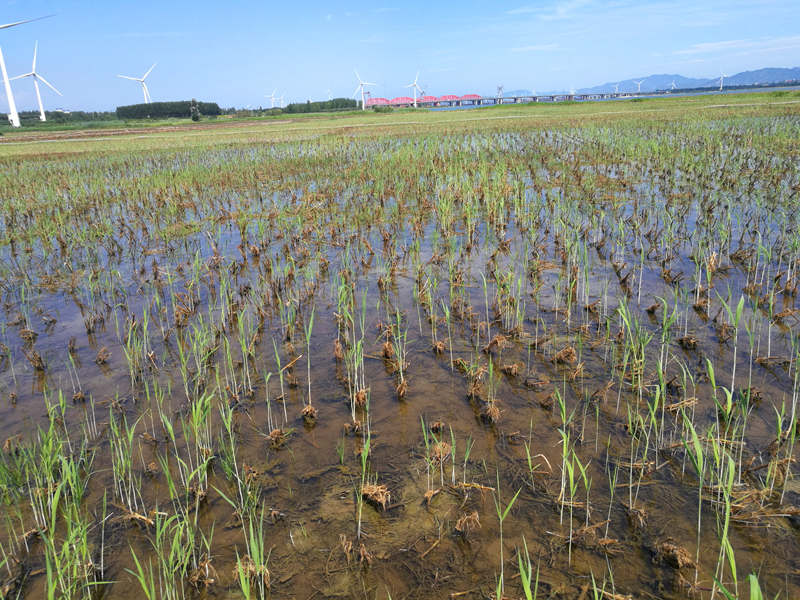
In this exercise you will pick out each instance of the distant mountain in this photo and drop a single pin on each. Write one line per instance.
(651, 83)
(768, 75)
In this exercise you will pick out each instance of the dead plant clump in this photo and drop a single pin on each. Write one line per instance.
(498, 342)
(102, 356)
(347, 546)
(364, 556)
(577, 371)
(474, 389)
(36, 360)
(360, 398)
(674, 555)
(204, 575)
(277, 437)
(599, 395)
(566, 355)
(28, 335)
(402, 388)
(441, 450)
(252, 571)
(467, 523)
(388, 350)
(537, 385)
(511, 370)
(309, 413)
(439, 348)
(376, 494)
(491, 412)
(353, 428)
(428, 496)
(11, 445)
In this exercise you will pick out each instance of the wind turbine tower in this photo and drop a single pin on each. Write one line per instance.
(416, 87)
(360, 88)
(639, 86)
(722, 77)
(13, 117)
(141, 79)
(673, 85)
(36, 78)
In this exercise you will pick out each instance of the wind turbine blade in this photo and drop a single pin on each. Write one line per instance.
(357, 90)
(19, 76)
(48, 84)
(35, 51)
(416, 78)
(131, 78)
(368, 83)
(7, 25)
(148, 71)
(357, 76)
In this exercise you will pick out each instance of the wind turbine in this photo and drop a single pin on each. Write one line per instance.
(673, 85)
(13, 117)
(329, 96)
(141, 79)
(616, 88)
(639, 86)
(360, 88)
(416, 87)
(271, 98)
(36, 78)
(722, 77)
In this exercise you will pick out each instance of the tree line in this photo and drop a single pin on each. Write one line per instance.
(165, 110)
(321, 106)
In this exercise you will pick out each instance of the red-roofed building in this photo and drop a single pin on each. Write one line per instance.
(402, 101)
(377, 102)
(426, 100)
(470, 99)
(448, 98)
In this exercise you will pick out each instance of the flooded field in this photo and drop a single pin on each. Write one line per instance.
(494, 361)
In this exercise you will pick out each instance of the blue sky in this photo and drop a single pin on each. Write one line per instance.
(236, 52)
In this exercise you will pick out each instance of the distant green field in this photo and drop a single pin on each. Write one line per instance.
(118, 135)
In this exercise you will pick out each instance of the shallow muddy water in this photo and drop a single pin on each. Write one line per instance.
(566, 304)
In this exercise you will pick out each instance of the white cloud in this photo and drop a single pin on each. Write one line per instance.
(536, 48)
(562, 9)
(522, 10)
(746, 45)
